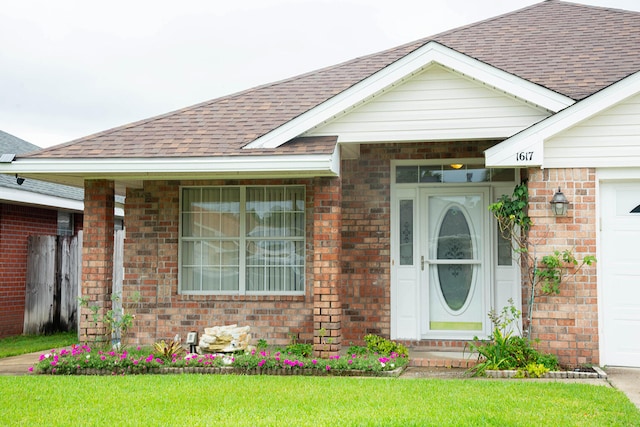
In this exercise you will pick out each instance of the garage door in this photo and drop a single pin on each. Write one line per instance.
(620, 266)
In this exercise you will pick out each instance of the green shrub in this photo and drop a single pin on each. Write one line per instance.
(506, 350)
(385, 347)
(299, 349)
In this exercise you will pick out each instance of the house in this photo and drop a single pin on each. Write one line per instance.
(28, 207)
(353, 199)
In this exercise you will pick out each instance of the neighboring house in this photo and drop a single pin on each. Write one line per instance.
(28, 207)
(353, 199)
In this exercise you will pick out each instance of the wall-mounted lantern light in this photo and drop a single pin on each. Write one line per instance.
(559, 204)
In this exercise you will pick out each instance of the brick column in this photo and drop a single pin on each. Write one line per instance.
(566, 324)
(97, 256)
(327, 243)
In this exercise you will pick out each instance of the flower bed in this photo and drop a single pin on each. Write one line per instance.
(83, 360)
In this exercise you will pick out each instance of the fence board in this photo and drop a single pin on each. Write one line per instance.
(40, 286)
(51, 302)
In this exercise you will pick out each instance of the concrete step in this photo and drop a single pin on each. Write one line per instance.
(442, 358)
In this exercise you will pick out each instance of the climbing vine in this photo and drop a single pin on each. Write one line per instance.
(546, 275)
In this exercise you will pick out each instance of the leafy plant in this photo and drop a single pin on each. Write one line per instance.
(116, 323)
(168, 350)
(554, 267)
(262, 344)
(383, 346)
(536, 370)
(505, 348)
(298, 349)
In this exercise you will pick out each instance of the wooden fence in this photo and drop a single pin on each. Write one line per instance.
(54, 276)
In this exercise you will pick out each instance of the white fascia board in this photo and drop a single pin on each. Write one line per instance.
(165, 167)
(516, 151)
(30, 198)
(399, 71)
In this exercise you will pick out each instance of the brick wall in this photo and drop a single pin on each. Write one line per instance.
(97, 256)
(17, 223)
(566, 324)
(151, 271)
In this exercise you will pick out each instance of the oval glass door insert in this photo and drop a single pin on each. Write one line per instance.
(455, 243)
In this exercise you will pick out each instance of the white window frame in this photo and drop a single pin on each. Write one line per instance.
(242, 238)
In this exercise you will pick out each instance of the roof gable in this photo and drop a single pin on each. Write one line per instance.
(527, 148)
(399, 73)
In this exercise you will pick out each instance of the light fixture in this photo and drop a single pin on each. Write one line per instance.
(19, 179)
(559, 204)
(456, 166)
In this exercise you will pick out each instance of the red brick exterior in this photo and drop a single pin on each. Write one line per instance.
(327, 230)
(566, 324)
(97, 255)
(348, 249)
(17, 223)
(151, 271)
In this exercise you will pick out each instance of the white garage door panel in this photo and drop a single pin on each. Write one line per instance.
(620, 265)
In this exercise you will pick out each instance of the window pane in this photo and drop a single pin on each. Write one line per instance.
(190, 280)
(274, 240)
(503, 175)
(430, 174)
(406, 174)
(504, 250)
(406, 232)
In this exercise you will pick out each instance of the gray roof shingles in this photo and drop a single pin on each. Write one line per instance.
(572, 49)
(15, 145)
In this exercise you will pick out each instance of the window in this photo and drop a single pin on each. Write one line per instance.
(455, 173)
(242, 240)
(65, 223)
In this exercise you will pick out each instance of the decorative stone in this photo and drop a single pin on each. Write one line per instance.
(224, 339)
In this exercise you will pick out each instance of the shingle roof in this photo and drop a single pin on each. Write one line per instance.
(572, 49)
(14, 145)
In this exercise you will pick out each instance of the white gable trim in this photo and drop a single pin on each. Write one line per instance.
(13, 195)
(403, 69)
(527, 147)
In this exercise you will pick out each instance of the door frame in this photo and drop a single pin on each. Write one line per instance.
(502, 282)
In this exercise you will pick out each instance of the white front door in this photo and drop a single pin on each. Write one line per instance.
(619, 263)
(454, 262)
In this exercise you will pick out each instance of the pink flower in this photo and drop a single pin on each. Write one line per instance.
(314, 361)
(261, 363)
(31, 369)
(328, 368)
(149, 358)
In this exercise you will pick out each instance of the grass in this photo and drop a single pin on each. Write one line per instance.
(307, 401)
(23, 344)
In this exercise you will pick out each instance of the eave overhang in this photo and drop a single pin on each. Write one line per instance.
(131, 172)
(526, 149)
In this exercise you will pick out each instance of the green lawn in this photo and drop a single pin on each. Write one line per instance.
(306, 401)
(23, 344)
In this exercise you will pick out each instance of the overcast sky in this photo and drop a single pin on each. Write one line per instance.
(70, 68)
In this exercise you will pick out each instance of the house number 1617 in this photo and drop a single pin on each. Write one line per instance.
(524, 156)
